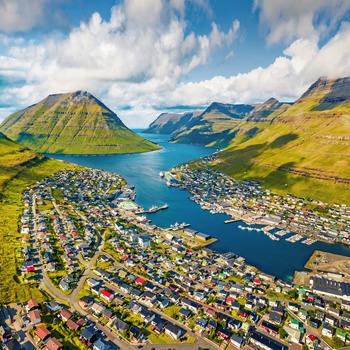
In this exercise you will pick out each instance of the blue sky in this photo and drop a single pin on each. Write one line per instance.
(142, 57)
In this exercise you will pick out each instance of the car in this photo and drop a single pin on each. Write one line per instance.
(140, 347)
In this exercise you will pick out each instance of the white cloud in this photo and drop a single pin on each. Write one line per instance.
(288, 20)
(142, 43)
(134, 62)
(24, 15)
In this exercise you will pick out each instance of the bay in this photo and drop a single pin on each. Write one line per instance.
(279, 258)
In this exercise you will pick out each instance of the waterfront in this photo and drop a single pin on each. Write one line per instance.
(279, 258)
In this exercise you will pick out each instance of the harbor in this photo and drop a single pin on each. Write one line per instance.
(142, 171)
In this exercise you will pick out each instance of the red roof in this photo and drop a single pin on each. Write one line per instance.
(256, 281)
(312, 337)
(140, 280)
(106, 293)
(72, 325)
(42, 332)
(229, 300)
(53, 344)
(30, 269)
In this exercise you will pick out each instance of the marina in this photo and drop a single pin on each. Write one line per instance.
(294, 238)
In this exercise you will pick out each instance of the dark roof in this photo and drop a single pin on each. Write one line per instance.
(323, 285)
(13, 344)
(267, 342)
(87, 333)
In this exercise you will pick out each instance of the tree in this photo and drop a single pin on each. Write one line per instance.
(293, 294)
(282, 333)
(304, 347)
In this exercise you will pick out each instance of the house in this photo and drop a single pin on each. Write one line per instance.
(134, 307)
(34, 317)
(72, 325)
(314, 323)
(135, 332)
(43, 334)
(275, 317)
(53, 306)
(12, 344)
(224, 333)
(173, 330)
(64, 285)
(269, 327)
(144, 241)
(32, 305)
(97, 308)
(107, 295)
(237, 341)
(330, 320)
(185, 313)
(86, 301)
(54, 344)
(158, 324)
(294, 335)
(120, 325)
(341, 334)
(293, 307)
(264, 342)
(234, 324)
(147, 315)
(140, 280)
(149, 296)
(100, 344)
(201, 322)
(88, 335)
(66, 315)
(327, 331)
(108, 315)
(311, 340)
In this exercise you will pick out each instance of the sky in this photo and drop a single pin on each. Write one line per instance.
(145, 57)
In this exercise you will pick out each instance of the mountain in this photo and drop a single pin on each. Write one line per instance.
(215, 126)
(167, 123)
(267, 110)
(73, 123)
(305, 150)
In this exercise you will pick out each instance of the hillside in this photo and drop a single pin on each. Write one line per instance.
(215, 126)
(19, 168)
(167, 123)
(73, 123)
(305, 150)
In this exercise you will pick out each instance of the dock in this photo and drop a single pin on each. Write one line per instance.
(231, 220)
(154, 208)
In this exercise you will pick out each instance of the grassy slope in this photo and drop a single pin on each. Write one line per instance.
(61, 125)
(19, 167)
(308, 139)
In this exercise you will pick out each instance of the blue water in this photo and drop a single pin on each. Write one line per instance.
(279, 258)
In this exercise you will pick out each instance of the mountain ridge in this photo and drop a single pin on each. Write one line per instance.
(73, 123)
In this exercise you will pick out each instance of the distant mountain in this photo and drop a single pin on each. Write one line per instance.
(267, 110)
(73, 123)
(167, 123)
(305, 150)
(215, 126)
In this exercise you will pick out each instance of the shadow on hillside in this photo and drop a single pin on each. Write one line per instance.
(280, 178)
(283, 140)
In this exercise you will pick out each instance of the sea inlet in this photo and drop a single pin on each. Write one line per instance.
(278, 258)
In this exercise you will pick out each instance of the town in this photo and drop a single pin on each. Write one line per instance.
(248, 201)
(112, 280)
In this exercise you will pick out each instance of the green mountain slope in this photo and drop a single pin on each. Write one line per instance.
(167, 123)
(73, 123)
(215, 126)
(305, 150)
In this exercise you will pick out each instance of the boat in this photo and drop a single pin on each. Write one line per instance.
(155, 208)
(161, 174)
